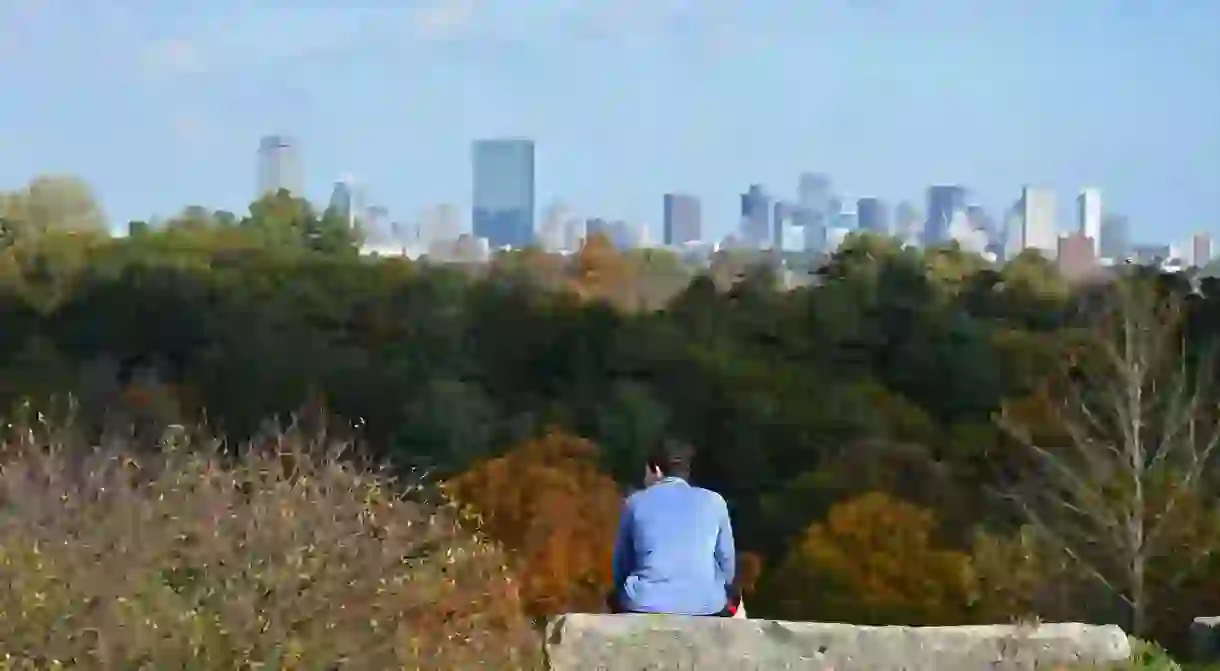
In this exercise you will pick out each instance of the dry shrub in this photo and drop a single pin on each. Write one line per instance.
(278, 557)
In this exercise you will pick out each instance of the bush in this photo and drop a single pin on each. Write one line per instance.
(284, 555)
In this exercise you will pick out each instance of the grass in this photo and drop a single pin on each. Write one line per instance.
(283, 557)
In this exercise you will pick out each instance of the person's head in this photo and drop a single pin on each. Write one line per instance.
(669, 459)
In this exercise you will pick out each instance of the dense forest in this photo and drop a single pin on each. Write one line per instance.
(916, 437)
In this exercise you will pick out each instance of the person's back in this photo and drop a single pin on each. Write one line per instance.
(675, 551)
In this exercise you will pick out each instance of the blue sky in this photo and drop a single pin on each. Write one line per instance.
(161, 104)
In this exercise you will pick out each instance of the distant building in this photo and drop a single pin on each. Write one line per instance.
(1076, 256)
(1151, 255)
(944, 202)
(347, 200)
(755, 217)
(1115, 237)
(503, 209)
(908, 223)
(279, 166)
(1201, 249)
(682, 219)
(1038, 220)
(1088, 216)
(872, 216)
(783, 216)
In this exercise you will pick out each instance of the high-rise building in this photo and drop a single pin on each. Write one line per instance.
(755, 217)
(551, 236)
(682, 220)
(783, 216)
(279, 166)
(503, 211)
(1076, 256)
(347, 200)
(1115, 237)
(1014, 232)
(1201, 249)
(1040, 229)
(872, 216)
(944, 202)
(908, 223)
(1088, 216)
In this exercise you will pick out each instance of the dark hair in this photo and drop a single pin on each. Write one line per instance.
(672, 458)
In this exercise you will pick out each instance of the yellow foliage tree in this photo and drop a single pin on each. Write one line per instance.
(873, 561)
(548, 502)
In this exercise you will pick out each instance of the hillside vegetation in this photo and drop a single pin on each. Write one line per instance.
(917, 437)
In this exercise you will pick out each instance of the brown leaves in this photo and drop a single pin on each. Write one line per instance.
(549, 502)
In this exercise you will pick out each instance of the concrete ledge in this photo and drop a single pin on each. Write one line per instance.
(1205, 640)
(637, 642)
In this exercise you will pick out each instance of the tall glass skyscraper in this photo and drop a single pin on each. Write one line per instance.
(944, 203)
(279, 166)
(503, 209)
(872, 216)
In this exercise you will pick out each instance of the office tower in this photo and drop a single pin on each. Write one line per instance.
(1014, 232)
(681, 219)
(573, 233)
(755, 217)
(347, 200)
(783, 216)
(1076, 256)
(1115, 237)
(1088, 216)
(551, 233)
(1201, 249)
(944, 202)
(908, 223)
(1038, 220)
(872, 216)
(813, 192)
(503, 211)
(279, 166)
(813, 230)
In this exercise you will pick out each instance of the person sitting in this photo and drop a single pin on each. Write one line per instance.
(674, 553)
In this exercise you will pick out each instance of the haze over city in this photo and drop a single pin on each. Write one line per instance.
(162, 106)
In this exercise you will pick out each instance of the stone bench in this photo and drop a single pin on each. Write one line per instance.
(580, 642)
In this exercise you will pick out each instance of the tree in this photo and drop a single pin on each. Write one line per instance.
(51, 203)
(873, 561)
(548, 501)
(1126, 494)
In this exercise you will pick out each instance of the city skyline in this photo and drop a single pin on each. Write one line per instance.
(157, 107)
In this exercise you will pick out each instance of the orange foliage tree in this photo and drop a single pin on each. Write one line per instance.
(548, 501)
(600, 272)
(873, 561)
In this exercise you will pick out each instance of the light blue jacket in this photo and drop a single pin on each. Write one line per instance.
(674, 552)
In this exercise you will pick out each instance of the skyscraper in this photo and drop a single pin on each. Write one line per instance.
(815, 206)
(1088, 216)
(755, 217)
(783, 216)
(347, 200)
(872, 216)
(1115, 237)
(682, 219)
(944, 202)
(1201, 249)
(279, 166)
(1038, 219)
(503, 209)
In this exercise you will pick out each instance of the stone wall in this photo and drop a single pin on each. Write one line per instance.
(579, 642)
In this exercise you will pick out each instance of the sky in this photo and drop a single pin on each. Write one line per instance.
(159, 105)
